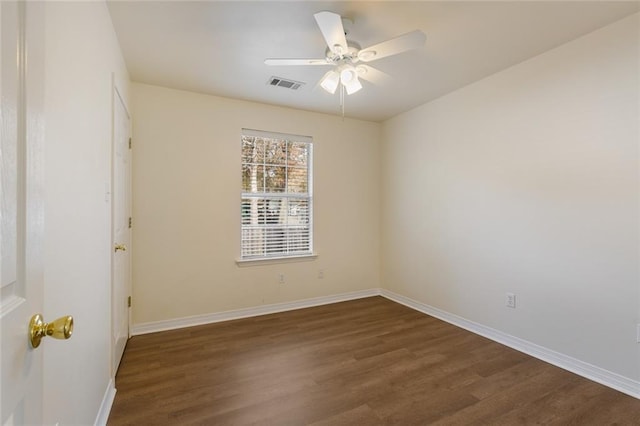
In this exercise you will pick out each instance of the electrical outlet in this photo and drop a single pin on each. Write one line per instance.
(510, 300)
(281, 278)
(320, 274)
(638, 334)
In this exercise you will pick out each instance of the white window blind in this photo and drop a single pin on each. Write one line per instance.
(277, 204)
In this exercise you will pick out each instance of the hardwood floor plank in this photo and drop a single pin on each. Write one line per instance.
(361, 415)
(363, 362)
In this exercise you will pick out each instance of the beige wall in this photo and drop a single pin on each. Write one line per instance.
(82, 53)
(527, 182)
(186, 192)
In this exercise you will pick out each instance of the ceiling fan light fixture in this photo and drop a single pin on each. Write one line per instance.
(349, 79)
(347, 74)
(353, 86)
(330, 81)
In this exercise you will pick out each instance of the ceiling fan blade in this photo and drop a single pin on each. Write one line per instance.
(332, 30)
(373, 75)
(400, 44)
(296, 62)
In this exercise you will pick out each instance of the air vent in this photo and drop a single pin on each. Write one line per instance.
(283, 82)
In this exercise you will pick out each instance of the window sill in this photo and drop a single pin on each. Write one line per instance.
(274, 260)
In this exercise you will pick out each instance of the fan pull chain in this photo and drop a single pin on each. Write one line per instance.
(342, 100)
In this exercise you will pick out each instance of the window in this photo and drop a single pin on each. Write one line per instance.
(276, 208)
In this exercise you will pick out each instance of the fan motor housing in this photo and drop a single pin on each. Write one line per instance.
(351, 54)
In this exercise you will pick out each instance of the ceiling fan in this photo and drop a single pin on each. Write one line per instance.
(346, 56)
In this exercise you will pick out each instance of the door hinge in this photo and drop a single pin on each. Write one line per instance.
(129, 222)
(129, 143)
(129, 301)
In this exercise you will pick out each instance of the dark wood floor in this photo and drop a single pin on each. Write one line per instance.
(364, 362)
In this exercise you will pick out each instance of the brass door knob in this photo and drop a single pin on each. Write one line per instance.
(62, 328)
(120, 247)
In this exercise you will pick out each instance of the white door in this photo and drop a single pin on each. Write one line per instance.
(21, 210)
(121, 285)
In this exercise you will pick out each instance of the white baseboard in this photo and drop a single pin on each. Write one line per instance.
(581, 368)
(152, 327)
(105, 406)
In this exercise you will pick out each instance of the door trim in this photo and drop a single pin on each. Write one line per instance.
(117, 97)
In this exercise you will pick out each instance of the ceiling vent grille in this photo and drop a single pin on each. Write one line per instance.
(283, 82)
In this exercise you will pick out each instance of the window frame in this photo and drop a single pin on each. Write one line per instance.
(264, 195)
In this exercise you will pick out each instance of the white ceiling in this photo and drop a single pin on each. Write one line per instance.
(218, 48)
